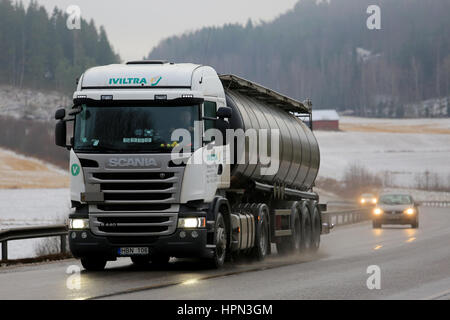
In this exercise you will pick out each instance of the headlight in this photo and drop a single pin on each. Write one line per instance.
(191, 223)
(363, 200)
(409, 211)
(374, 201)
(377, 211)
(79, 224)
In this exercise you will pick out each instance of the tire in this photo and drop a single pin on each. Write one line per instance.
(221, 242)
(262, 243)
(140, 260)
(292, 243)
(376, 225)
(415, 225)
(93, 264)
(306, 229)
(316, 227)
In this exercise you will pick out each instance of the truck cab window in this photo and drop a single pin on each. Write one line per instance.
(209, 111)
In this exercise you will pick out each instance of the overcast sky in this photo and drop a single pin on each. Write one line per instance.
(134, 27)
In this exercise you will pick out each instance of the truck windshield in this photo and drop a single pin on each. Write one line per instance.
(125, 129)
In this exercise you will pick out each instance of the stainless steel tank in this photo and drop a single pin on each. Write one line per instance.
(299, 153)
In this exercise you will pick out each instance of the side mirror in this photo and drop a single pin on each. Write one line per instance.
(222, 126)
(224, 112)
(60, 114)
(61, 133)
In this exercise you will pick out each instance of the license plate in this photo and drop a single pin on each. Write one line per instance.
(133, 251)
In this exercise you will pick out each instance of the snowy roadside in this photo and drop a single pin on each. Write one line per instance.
(31, 207)
(402, 155)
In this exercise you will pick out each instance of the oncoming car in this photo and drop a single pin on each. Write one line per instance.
(395, 209)
(368, 199)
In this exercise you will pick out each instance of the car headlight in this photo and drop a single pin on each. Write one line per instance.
(377, 211)
(363, 200)
(374, 201)
(79, 224)
(409, 211)
(192, 223)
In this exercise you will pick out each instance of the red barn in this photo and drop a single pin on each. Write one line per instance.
(325, 120)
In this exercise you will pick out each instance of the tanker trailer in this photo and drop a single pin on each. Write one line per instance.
(138, 190)
(292, 217)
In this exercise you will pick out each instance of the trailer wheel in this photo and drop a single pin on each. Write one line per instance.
(262, 243)
(306, 227)
(316, 228)
(220, 238)
(93, 263)
(293, 242)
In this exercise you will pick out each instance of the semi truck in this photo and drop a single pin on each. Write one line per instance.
(138, 190)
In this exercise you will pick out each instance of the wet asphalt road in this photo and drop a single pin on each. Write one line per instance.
(413, 264)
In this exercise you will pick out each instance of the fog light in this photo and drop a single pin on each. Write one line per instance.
(73, 235)
(182, 234)
(79, 224)
(191, 223)
(194, 234)
(84, 235)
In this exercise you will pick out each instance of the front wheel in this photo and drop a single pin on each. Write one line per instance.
(221, 243)
(93, 264)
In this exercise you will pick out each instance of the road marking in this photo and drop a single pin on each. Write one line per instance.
(208, 277)
(437, 296)
(190, 281)
(378, 247)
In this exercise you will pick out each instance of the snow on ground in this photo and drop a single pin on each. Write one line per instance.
(421, 125)
(402, 154)
(441, 122)
(31, 104)
(31, 207)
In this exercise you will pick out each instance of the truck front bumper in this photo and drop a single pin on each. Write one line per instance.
(84, 243)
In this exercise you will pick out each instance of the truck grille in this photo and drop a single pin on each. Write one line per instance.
(132, 224)
(136, 196)
(139, 202)
(137, 187)
(133, 207)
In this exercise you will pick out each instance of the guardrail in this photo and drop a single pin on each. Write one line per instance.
(348, 216)
(331, 218)
(439, 204)
(336, 218)
(31, 233)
